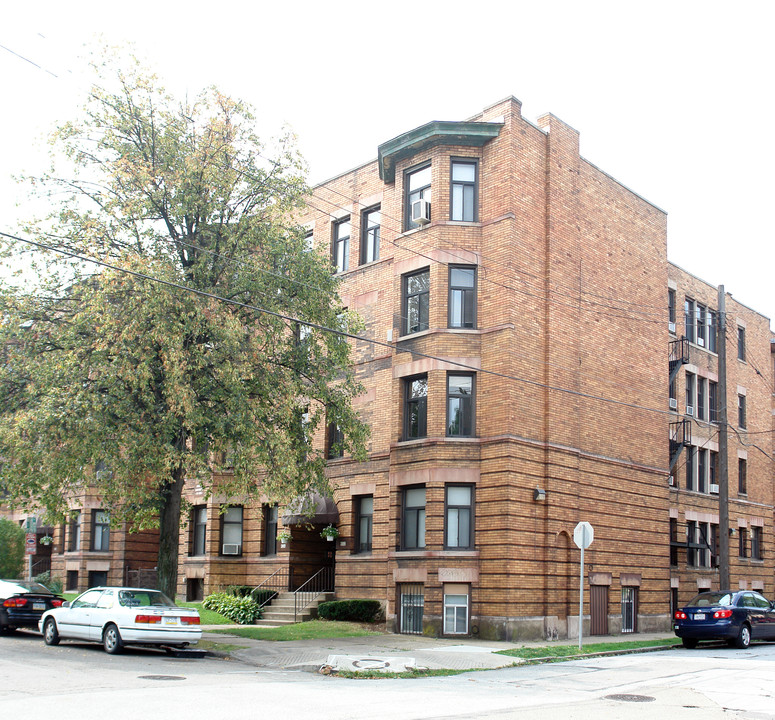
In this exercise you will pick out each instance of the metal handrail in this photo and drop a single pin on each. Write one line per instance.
(277, 582)
(322, 581)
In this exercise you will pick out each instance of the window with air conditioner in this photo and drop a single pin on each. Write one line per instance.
(231, 530)
(417, 187)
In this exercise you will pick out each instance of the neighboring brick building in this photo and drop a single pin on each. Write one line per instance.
(696, 402)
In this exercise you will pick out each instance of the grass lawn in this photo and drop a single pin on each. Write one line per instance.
(312, 630)
(570, 651)
(207, 617)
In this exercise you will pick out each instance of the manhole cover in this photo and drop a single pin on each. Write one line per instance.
(161, 677)
(631, 698)
(370, 664)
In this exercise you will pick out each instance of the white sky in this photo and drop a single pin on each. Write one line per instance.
(673, 99)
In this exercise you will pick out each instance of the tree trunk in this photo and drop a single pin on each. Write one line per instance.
(169, 534)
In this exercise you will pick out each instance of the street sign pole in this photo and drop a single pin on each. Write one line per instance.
(581, 599)
(583, 535)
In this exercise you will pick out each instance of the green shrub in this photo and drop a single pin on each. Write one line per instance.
(241, 610)
(53, 584)
(353, 610)
(262, 596)
(11, 549)
(238, 590)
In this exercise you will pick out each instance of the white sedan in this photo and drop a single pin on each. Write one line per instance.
(118, 616)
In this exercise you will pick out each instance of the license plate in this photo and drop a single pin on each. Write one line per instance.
(699, 616)
(170, 621)
(38, 606)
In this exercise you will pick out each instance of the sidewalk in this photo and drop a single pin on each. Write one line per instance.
(392, 652)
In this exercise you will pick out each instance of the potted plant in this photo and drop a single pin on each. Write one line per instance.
(284, 536)
(46, 540)
(330, 533)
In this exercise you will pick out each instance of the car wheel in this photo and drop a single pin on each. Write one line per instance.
(743, 637)
(111, 640)
(689, 643)
(50, 632)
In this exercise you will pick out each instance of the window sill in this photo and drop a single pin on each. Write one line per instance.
(428, 554)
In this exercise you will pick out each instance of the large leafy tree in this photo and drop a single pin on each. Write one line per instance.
(11, 549)
(182, 348)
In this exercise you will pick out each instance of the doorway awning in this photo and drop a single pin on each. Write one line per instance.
(313, 508)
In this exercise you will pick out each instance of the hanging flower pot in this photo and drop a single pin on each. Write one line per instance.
(330, 533)
(284, 536)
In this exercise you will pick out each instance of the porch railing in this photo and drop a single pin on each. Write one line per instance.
(322, 581)
(268, 590)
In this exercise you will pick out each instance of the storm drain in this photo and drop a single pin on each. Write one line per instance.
(630, 698)
(161, 677)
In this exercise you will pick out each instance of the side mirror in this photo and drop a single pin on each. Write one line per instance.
(66, 604)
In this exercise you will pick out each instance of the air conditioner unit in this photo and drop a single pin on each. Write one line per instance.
(673, 403)
(701, 341)
(671, 480)
(690, 410)
(421, 212)
(671, 327)
(232, 549)
(714, 489)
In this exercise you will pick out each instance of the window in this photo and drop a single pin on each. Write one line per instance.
(460, 405)
(415, 407)
(673, 394)
(742, 542)
(270, 529)
(459, 527)
(411, 600)
(455, 609)
(702, 391)
(741, 419)
(701, 319)
(417, 184)
(713, 471)
(689, 319)
(674, 544)
(416, 301)
(462, 297)
(742, 476)
(712, 401)
(413, 532)
(671, 309)
(756, 543)
(702, 470)
(463, 194)
(370, 224)
(231, 531)
(701, 552)
(309, 241)
(740, 343)
(334, 441)
(75, 532)
(341, 245)
(629, 609)
(712, 330)
(198, 530)
(364, 522)
(100, 531)
(691, 392)
(690, 467)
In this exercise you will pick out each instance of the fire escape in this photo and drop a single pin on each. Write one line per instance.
(681, 430)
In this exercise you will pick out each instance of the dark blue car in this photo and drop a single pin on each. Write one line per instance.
(737, 617)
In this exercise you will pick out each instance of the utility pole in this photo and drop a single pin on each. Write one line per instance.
(723, 452)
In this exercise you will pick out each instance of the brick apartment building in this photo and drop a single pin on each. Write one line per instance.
(518, 386)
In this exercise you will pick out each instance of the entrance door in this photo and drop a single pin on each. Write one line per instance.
(629, 609)
(598, 609)
(411, 607)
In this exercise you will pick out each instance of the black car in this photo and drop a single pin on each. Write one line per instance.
(22, 603)
(735, 616)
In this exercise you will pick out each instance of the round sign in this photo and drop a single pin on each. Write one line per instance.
(583, 535)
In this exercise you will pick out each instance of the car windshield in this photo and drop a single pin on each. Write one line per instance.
(711, 598)
(143, 598)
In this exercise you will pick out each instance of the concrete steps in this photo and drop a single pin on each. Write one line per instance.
(281, 610)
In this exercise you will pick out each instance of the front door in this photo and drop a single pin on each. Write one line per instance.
(629, 609)
(598, 609)
(411, 606)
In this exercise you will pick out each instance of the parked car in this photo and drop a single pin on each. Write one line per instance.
(737, 617)
(23, 602)
(118, 616)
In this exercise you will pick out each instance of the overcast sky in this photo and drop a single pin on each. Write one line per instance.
(673, 99)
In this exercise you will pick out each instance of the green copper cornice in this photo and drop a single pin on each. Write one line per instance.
(473, 134)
